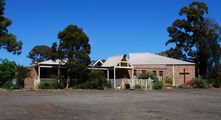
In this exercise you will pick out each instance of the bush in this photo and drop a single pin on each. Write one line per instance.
(191, 83)
(217, 83)
(21, 73)
(9, 85)
(127, 86)
(7, 71)
(97, 80)
(168, 81)
(138, 86)
(157, 85)
(50, 86)
(200, 83)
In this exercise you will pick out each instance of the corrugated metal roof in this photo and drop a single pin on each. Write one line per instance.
(51, 62)
(149, 58)
(112, 61)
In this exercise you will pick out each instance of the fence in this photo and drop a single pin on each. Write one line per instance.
(143, 83)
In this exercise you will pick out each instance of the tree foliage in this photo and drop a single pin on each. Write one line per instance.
(173, 53)
(97, 80)
(8, 41)
(74, 48)
(7, 71)
(39, 53)
(195, 36)
(21, 73)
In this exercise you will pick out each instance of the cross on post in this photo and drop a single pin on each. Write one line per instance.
(184, 73)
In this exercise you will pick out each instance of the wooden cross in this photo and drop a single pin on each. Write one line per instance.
(184, 73)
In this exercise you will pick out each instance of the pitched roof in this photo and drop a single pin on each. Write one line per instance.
(51, 62)
(112, 61)
(149, 58)
(94, 63)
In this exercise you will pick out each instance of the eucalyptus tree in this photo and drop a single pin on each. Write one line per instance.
(8, 41)
(192, 35)
(39, 53)
(74, 49)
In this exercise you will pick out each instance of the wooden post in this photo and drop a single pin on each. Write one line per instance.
(39, 73)
(108, 78)
(173, 77)
(132, 76)
(59, 77)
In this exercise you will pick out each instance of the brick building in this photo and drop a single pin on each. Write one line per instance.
(131, 67)
(118, 68)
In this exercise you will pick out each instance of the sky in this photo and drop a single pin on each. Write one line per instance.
(114, 27)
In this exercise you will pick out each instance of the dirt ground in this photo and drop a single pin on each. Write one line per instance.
(180, 104)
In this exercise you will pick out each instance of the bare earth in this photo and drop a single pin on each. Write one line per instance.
(180, 104)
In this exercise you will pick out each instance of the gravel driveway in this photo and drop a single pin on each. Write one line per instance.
(179, 104)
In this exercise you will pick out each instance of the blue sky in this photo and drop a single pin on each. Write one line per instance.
(113, 26)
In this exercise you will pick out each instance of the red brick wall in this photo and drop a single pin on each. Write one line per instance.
(179, 79)
(168, 71)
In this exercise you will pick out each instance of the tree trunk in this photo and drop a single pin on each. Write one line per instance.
(203, 67)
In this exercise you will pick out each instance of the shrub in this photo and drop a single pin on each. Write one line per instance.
(127, 86)
(21, 73)
(138, 86)
(9, 85)
(97, 80)
(49, 86)
(43, 86)
(168, 81)
(157, 85)
(217, 83)
(191, 83)
(7, 71)
(200, 83)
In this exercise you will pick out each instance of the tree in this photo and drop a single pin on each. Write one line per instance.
(39, 53)
(21, 73)
(7, 71)
(8, 41)
(75, 48)
(54, 51)
(214, 37)
(173, 53)
(191, 36)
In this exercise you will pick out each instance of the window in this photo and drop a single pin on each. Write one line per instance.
(143, 71)
(135, 72)
(155, 73)
(160, 75)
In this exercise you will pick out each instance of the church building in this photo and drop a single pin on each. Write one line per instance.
(131, 67)
(118, 68)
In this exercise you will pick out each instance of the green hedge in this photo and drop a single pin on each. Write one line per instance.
(50, 86)
(217, 83)
(9, 85)
(138, 86)
(97, 80)
(157, 85)
(200, 83)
